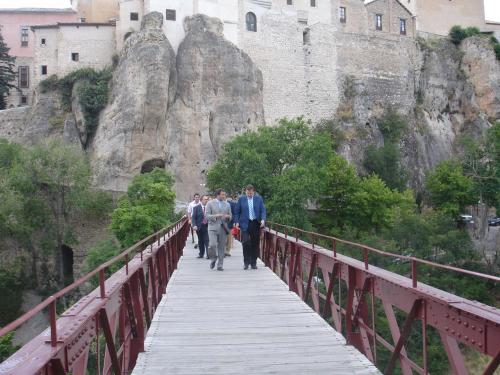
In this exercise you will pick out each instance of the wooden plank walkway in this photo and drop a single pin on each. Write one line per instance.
(240, 322)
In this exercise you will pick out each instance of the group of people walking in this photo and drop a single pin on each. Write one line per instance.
(214, 220)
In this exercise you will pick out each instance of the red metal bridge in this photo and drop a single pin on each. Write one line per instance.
(142, 314)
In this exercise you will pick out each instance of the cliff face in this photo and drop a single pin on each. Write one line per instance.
(219, 95)
(447, 92)
(132, 128)
(175, 112)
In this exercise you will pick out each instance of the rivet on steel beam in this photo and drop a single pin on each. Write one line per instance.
(480, 330)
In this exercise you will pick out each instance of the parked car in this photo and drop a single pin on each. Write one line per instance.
(466, 219)
(494, 222)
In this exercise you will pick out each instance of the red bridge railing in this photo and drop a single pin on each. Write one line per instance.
(111, 321)
(353, 293)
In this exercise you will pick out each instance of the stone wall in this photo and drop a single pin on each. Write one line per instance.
(13, 123)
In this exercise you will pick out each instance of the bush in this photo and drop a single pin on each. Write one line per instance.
(100, 253)
(147, 207)
(385, 162)
(7, 348)
(457, 33)
(11, 288)
(392, 126)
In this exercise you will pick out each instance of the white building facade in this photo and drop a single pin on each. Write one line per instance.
(66, 47)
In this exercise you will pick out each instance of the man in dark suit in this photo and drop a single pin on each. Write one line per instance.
(200, 225)
(250, 216)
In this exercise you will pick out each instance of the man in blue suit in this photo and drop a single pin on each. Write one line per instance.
(250, 216)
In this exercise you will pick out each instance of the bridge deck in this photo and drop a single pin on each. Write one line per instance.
(240, 322)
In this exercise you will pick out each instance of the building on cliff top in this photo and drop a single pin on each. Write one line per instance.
(15, 24)
(65, 47)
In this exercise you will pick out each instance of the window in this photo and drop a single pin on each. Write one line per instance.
(44, 70)
(313, 3)
(289, 2)
(82, 20)
(170, 15)
(402, 27)
(134, 16)
(251, 20)
(24, 36)
(75, 56)
(43, 42)
(342, 15)
(23, 75)
(378, 21)
(306, 36)
(24, 100)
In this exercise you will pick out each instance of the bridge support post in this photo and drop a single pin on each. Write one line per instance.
(110, 343)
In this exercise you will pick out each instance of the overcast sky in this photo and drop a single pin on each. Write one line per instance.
(492, 7)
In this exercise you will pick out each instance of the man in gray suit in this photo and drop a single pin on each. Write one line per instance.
(218, 214)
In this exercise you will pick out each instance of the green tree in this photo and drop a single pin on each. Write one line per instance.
(372, 206)
(341, 183)
(385, 162)
(7, 73)
(147, 207)
(286, 164)
(46, 186)
(448, 189)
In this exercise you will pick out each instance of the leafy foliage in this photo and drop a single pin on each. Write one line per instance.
(7, 348)
(93, 92)
(392, 126)
(286, 164)
(457, 33)
(147, 207)
(11, 287)
(102, 252)
(448, 189)
(385, 162)
(44, 186)
(7, 73)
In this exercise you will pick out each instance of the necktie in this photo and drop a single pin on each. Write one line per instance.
(251, 213)
(204, 219)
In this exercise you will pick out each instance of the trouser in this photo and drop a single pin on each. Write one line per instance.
(192, 234)
(229, 243)
(203, 239)
(250, 240)
(217, 245)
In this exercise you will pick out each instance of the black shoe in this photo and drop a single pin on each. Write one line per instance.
(220, 269)
(246, 267)
(208, 257)
(254, 267)
(201, 256)
(195, 245)
(212, 265)
(227, 255)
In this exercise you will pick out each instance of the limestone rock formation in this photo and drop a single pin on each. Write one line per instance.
(483, 70)
(132, 128)
(219, 94)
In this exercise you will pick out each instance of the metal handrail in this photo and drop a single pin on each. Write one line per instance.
(50, 301)
(414, 261)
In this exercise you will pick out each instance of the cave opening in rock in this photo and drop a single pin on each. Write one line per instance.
(151, 164)
(67, 264)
